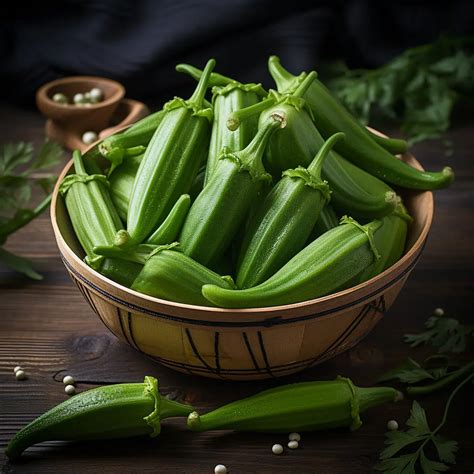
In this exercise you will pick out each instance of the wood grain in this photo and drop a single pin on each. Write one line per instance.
(48, 328)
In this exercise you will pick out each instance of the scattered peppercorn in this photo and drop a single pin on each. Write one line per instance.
(20, 375)
(392, 425)
(70, 389)
(220, 469)
(277, 449)
(68, 380)
(293, 444)
(89, 137)
(439, 312)
(294, 437)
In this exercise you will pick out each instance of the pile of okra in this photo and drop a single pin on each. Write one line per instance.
(240, 197)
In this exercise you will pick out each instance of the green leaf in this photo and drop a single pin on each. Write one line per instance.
(418, 420)
(431, 467)
(409, 372)
(19, 264)
(404, 464)
(418, 87)
(13, 155)
(446, 449)
(444, 334)
(397, 440)
(48, 156)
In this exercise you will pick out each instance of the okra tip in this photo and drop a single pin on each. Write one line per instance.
(194, 421)
(449, 174)
(122, 238)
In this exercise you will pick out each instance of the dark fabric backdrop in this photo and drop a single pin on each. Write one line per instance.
(139, 42)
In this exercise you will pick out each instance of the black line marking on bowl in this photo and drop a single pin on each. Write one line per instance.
(130, 330)
(268, 322)
(125, 335)
(344, 335)
(264, 353)
(249, 348)
(91, 301)
(216, 352)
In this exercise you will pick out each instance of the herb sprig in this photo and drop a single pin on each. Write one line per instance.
(419, 87)
(420, 433)
(20, 170)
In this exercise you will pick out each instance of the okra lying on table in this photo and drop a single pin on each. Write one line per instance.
(110, 412)
(305, 406)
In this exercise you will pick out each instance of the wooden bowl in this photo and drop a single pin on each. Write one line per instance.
(67, 122)
(242, 344)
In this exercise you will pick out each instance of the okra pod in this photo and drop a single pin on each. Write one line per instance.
(93, 216)
(354, 191)
(228, 95)
(110, 412)
(329, 263)
(277, 232)
(120, 271)
(171, 162)
(173, 276)
(114, 147)
(327, 220)
(304, 406)
(121, 184)
(198, 183)
(359, 147)
(171, 226)
(224, 203)
(390, 241)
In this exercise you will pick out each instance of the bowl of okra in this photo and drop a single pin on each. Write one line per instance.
(244, 233)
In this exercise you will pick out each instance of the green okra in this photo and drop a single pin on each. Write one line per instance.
(335, 116)
(390, 241)
(168, 273)
(354, 191)
(93, 216)
(283, 224)
(228, 96)
(110, 412)
(224, 203)
(327, 220)
(198, 183)
(115, 147)
(304, 406)
(170, 228)
(359, 147)
(121, 184)
(171, 162)
(120, 271)
(328, 264)
(226, 99)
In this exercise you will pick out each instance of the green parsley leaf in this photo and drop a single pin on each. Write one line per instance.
(444, 334)
(18, 168)
(419, 87)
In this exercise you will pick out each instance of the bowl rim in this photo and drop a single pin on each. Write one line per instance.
(42, 93)
(403, 266)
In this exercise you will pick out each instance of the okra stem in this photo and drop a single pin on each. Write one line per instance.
(303, 87)
(78, 162)
(316, 165)
(252, 154)
(137, 254)
(235, 118)
(214, 80)
(203, 84)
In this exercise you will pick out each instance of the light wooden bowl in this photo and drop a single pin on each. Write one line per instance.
(242, 344)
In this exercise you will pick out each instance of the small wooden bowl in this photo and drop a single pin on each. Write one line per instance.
(243, 344)
(67, 122)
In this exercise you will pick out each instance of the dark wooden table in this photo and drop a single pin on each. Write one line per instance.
(48, 328)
